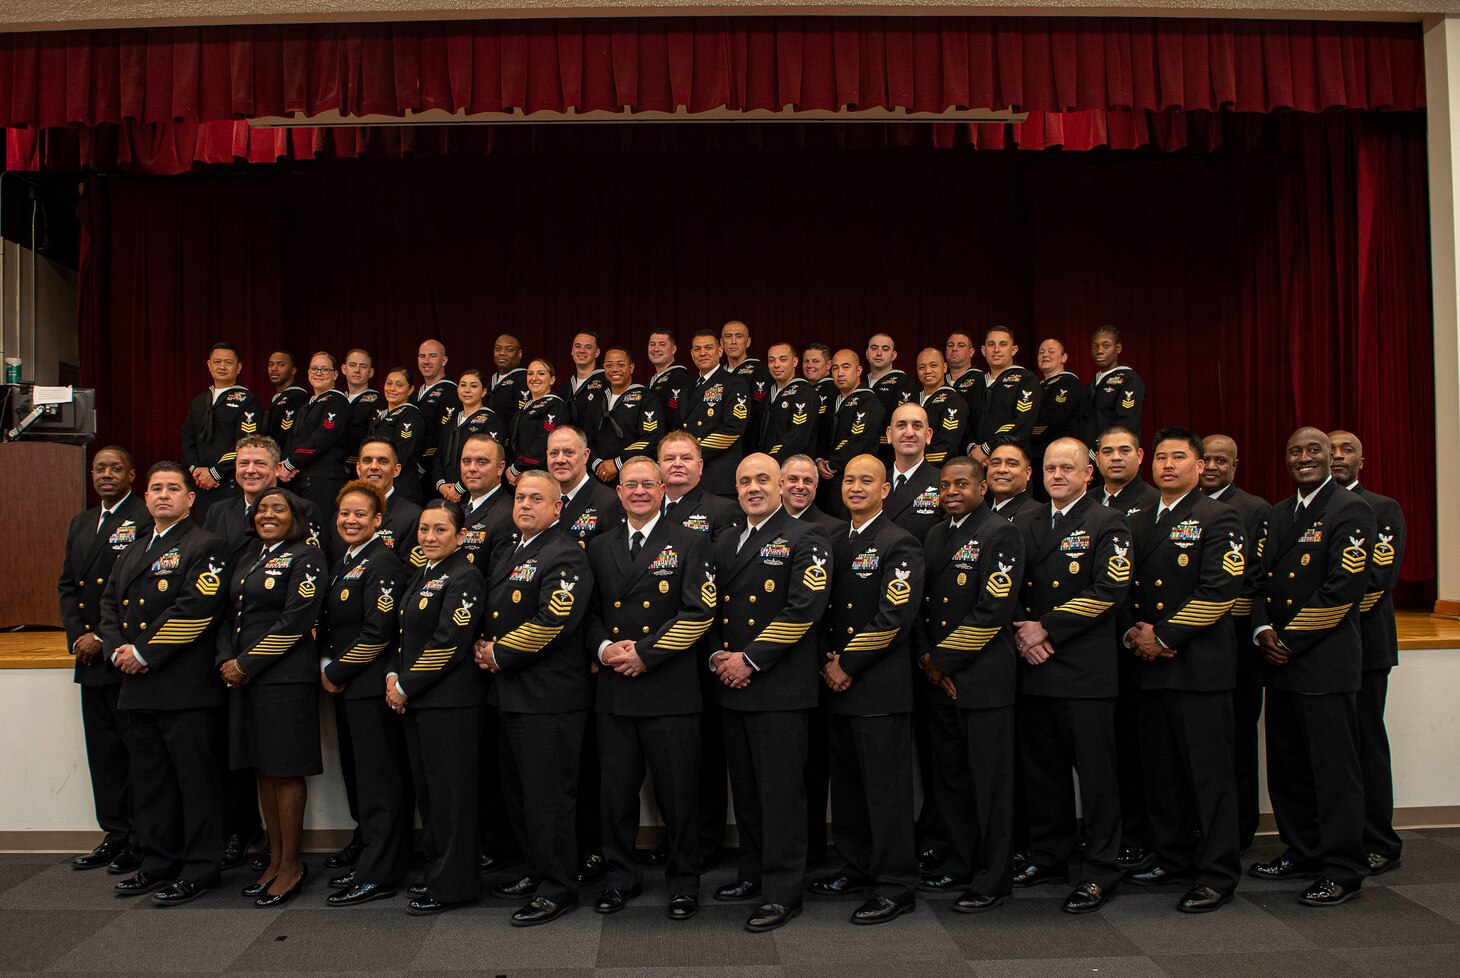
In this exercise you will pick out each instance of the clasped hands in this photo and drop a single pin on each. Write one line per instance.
(394, 698)
(127, 661)
(836, 677)
(1141, 639)
(1032, 642)
(233, 676)
(732, 669)
(1273, 649)
(623, 657)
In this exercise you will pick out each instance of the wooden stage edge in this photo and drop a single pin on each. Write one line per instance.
(47, 650)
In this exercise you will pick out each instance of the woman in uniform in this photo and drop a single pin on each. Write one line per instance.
(543, 412)
(314, 460)
(270, 662)
(402, 425)
(472, 418)
(359, 633)
(437, 686)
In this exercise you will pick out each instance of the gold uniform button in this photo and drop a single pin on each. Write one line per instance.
(646, 604)
(80, 604)
(1054, 583)
(849, 606)
(1160, 606)
(141, 600)
(1290, 601)
(126, 601)
(725, 621)
(618, 604)
(87, 627)
(750, 622)
(144, 626)
(615, 629)
(752, 599)
(945, 600)
(1291, 575)
(496, 614)
(646, 629)
(1158, 582)
(98, 580)
(851, 630)
(942, 624)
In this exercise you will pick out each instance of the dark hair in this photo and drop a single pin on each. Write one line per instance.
(483, 436)
(515, 338)
(621, 349)
(377, 440)
(960, 332)
(403, 371)
(298, 519)
(1006, 330)
(552, 371)
(1107, 328)
(706, 332)
(453, 512)
(224, 346)
(473, 372)
(1178, 433)
(979, 471)
(821, 348)
(1011, 441)
(176, 468)
(1118, 429)
(126, 455)
(664, 332)
(586, 332)
(288, 356)
(360, 486)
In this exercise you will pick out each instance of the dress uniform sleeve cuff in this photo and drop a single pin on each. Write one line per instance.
(324, 663)
(750, 662)
(289, 465)
(1260, 629)
(601, 647)
(215, 475)
(137, 653)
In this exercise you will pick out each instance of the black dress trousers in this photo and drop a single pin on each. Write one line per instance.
(540, 783)
(382, 767)
(669, 748)
(104, 728)
(871, 800)
(177, 784)
(980, 817)
(443, 749)
(766, 753)
(1374, 762)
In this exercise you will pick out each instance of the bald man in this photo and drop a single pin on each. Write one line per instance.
(856, 428)
(436, 397)
(891, 385)
(735, 338)
(947, 410)
(1381, 653)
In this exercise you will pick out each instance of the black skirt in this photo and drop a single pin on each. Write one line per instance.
(275, 728)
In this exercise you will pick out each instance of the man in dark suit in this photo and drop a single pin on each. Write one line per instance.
(1316, 560)
(1217, 482)
(877, 584)
(964, 644)
(1116, 392)
(218, 417)
(289, 398)
(585, 389)
(816, 368)
(947, 410)
(533, 641)
(800, 486)
(95, 541)
(774, 583)
(378, 465)
(157, 617)
(735, 341)
(790, 423)
(671, 380)
(912, 502)
(1009, 472)
(1189, 566)
(508, 382)
(1011, 395)
(891, 385)
(1079, 573)
(856, 426)
(716, 412)
(633, 419)
(654, 602)
(1381, 653)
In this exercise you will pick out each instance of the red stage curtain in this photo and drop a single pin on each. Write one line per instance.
(161, 99)
(1257, 290)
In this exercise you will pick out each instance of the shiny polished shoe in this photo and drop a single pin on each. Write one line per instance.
(881, 909)
(1132, 857)
(427, 907)
(343, 882)
(612, 901)
(139, 885)
(1202, 899)
(1085, 898)
(1154, 876)
(592, 869)
(234, 852)
(178, 893)
(940, 883)
(682, 907)
(99, 857)
(128, 861)
(418, 889)
(491, 863)
(278, 899)
(344, 858)
(525, 887)
(769, 916)
(1281, 868)
(1326, 893)
(1032, 875)
(255, 890)
(657, 856)
(1379, 865)
(360, 893)
(837, 885)
(738, 890)
(930, 861)
(539, 911)
(973, 902)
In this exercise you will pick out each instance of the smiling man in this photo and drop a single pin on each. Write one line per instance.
(1011, 395)
(792, 408)
(1008, 477)
(218, 417)
(1117, 393)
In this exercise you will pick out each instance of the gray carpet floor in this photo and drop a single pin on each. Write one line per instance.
(1406, 924)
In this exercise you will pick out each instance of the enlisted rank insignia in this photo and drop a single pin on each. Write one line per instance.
(1232, 561)
(1000, 583)
(405, 430)
(561, 603)
(1128, 400)
(208, 581)
(462, 616)
(1118, 566)
(859, 423)
(1062, 395)
(708, 593)
(288, 421)
(950, 423)
(1261, 546)
(1384, 550)
(249, 425)
(815, 576)
(741, 410)
(306, 586)
(898, 589)
(650, 423)
(418, 557)
(799, 415)
(1354, 556)
(1025, 402)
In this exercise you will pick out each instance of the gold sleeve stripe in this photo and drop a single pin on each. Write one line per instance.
(525, 639)
(966, 638)
(1085, 607)
(1319, 619)
(1370, 599)
(783, 632)
(637, 446)
(1242, 607)
(718, 440)
(1199, 613)
(173, 628)
(871, 641)
(683, 634)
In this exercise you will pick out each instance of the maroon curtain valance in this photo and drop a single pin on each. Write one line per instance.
(202, 74)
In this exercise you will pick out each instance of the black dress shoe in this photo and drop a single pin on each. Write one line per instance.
(176, 894)
(657, 856)
(592, 869)
(276, 899)
(1378, 865)
(418, 889)
(837, 885)
(1281, 868)
(427, 907)
(234, 851)
(1154, 876)
(1032, 875)
(101, 856)
(975, 902)
(738, 890)
(930, 861)
(612, 901)
(129, 860)
(1202, 899)
(260, 860)
(940, 883)
(139, 885)
(345, 858)
(1326, 893)
(881, 909)
(1085, 898)
(525, 887)
(1132, 857)
(769, 916)
(360, 893)
(539, 911)
(343, 882)
(683, 907)
(254, 890)
(491, 863)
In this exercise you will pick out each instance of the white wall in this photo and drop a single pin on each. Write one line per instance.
(52, 315)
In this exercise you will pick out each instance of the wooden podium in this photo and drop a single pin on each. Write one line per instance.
(42, 485)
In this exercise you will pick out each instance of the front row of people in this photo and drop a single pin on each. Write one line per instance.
(1001, 636)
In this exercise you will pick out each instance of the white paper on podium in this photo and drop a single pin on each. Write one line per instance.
(50, 395)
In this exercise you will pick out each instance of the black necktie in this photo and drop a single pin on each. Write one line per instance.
(669, 507)
(636, 543)
(746, 542)
(899, 482)
(1054, 520)
(106, 516)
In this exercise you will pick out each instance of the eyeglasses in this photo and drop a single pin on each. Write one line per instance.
(632, 485)
(321, 370)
